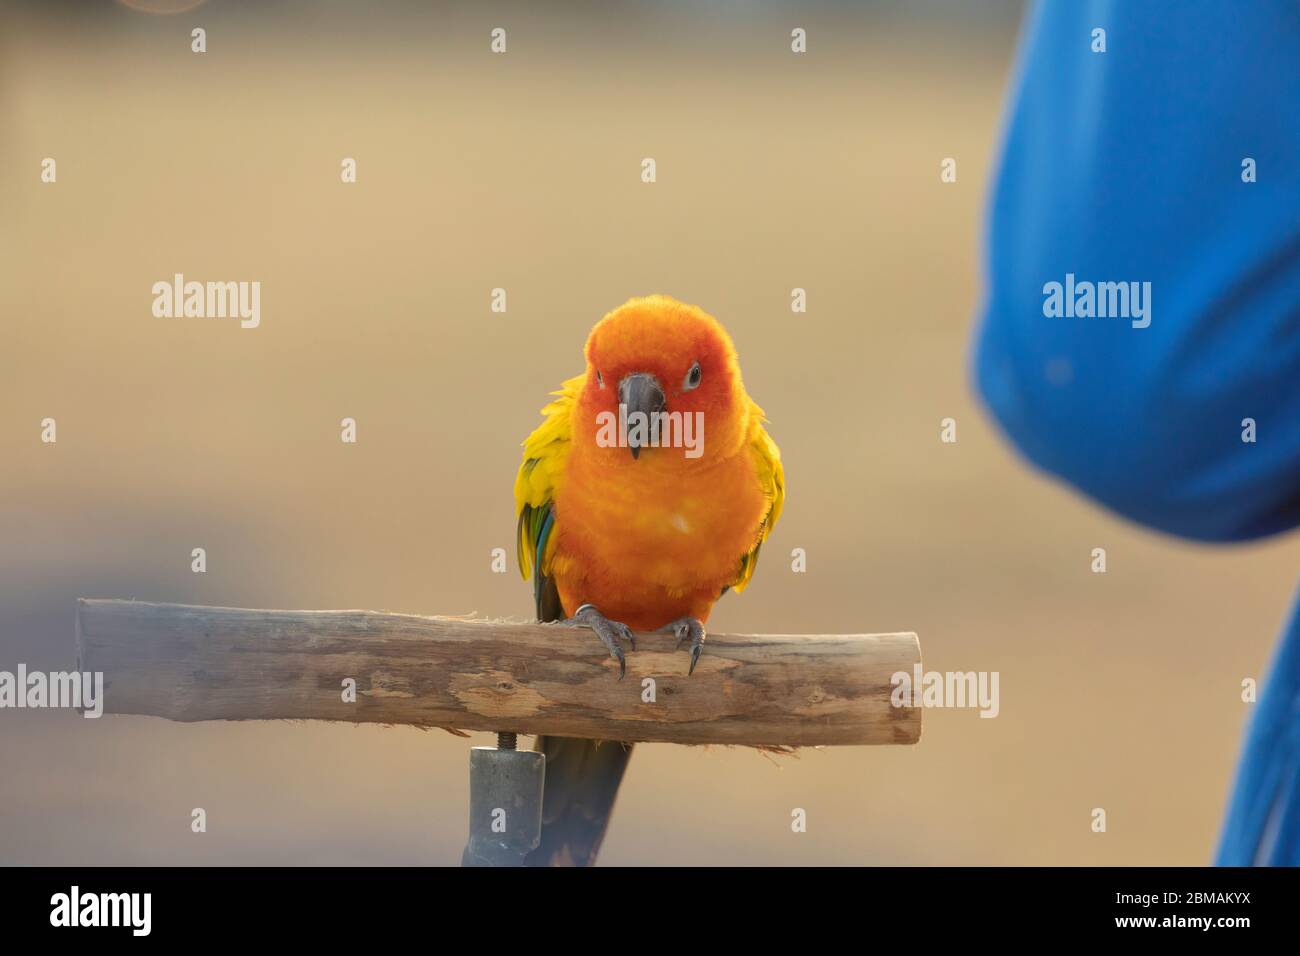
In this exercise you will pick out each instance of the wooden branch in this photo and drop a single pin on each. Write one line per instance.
(205, 663)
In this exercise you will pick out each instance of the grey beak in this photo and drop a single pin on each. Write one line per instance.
(640, 392)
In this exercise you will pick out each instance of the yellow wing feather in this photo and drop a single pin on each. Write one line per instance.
(771, 476)
(545, 451)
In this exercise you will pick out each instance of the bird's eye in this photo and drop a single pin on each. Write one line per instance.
(693, 377)
(600, 380)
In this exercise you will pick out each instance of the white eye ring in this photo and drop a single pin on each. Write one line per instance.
(693, 377)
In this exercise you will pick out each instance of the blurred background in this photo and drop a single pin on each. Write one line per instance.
(522, 171)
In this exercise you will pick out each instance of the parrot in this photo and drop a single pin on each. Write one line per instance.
(624, 533)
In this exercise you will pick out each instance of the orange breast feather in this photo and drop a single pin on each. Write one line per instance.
(660, 543)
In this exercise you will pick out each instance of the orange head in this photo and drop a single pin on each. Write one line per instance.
(662, 387)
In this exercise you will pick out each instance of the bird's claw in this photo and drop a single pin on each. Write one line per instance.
(687, 628)
(609, 632)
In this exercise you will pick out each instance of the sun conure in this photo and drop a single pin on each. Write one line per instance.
(643, 496)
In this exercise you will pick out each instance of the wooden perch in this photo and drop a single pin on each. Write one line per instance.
(209, 663)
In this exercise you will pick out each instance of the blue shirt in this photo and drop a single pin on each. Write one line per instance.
(1133, 166)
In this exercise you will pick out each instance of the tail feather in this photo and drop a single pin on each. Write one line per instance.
(582, 778)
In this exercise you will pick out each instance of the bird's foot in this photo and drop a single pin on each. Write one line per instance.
(609, 632)
(687, 628)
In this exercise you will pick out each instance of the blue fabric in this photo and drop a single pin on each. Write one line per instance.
(1126, 166)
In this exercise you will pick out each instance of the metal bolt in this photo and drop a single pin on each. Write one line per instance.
(505, 804)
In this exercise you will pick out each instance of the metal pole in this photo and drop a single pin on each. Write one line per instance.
(505, 803)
